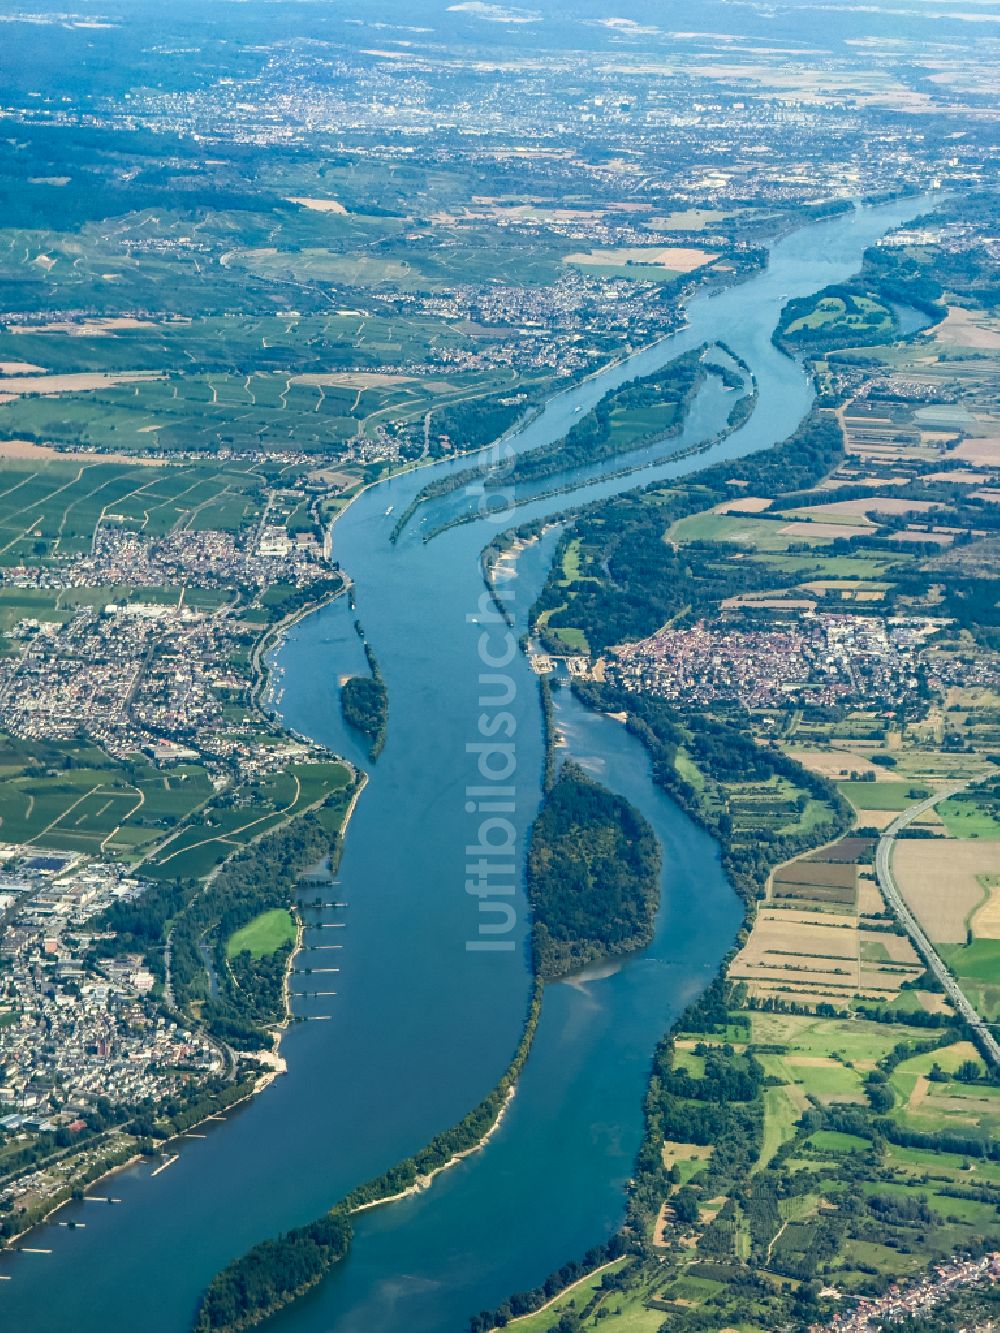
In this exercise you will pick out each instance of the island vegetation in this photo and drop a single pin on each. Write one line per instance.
(275, 1273)
(593, 876)
(820, 1123)
(593, 882)
(632, 415)
(364, 701)
(272, 1274)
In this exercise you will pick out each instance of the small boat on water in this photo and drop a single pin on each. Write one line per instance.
(389, 511)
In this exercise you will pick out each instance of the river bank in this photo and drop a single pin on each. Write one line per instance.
(279, 1064)
(555, 1170)
(424, 1182)
(230, 1289)
(272, 639)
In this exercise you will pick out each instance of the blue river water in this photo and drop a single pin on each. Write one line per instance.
(421, 1025)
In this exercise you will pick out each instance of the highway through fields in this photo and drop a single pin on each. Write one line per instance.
(887, 882)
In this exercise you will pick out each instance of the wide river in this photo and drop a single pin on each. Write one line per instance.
(421, 1026)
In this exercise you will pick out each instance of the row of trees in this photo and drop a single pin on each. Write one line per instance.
(276, 1272)
(590, 440)
(364, 700)
(594, 438)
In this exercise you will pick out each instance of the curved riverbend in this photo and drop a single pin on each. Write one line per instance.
(421, 1027)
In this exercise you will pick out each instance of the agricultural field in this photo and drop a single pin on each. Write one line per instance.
(762, 535)
(774, 806)
(944, 883)
(828, 1189)
(977, 967)
(931, 1098)
(73, 796)
(972, 814)
(269, 410)
(641, 263)
(52, 510)
(855, 1144)
(893, 529)
(379, 253)
(686, 219)
(887, 795)
(241, 815)
(326, 343)
(292, 321)
(820, 935)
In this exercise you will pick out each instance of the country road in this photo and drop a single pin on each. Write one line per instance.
(887, 882)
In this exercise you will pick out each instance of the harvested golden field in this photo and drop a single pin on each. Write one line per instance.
(684, 1152)
(765, 603)
(939, 880)
(809, 943)
(48, 385)
(806, 531)
(867, 504)
(885, 982)
(88, 328)
(27, 449)
(959, 476)
(896, 948)
(801, 933)
(674, 258)
(788, 950)
(746, 504)
(935, 537)
(969, 328)
(986, 922)
(835, 483)
(878, 819)
(857, 588)
(317, 205)
(837, 763)
(870, 900)
(984, 452)
(793, 981)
